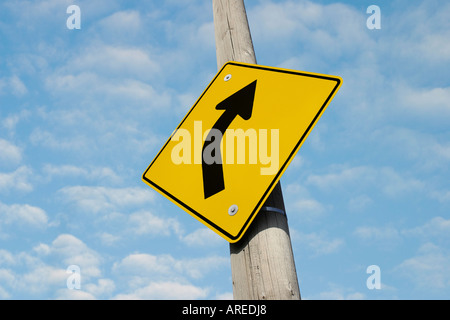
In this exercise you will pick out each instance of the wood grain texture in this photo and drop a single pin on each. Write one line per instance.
(262, 262)
(233, 38)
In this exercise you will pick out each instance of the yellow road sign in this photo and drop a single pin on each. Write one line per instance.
(230, 150)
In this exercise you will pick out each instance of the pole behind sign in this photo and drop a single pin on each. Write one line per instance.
(262, 262)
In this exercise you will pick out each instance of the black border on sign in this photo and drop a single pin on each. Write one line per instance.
(277, 176)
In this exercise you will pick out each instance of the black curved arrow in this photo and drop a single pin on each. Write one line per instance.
(240, 103)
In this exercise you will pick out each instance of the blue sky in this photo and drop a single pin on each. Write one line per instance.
(83, 113)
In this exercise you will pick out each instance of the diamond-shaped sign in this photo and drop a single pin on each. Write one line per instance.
(228, 153)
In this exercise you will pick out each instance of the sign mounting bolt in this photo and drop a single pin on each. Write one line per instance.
(227, 77)
(233, 210)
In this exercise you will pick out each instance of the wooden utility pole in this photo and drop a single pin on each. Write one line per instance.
(262, 262)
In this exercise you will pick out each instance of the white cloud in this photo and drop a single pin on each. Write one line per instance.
(202, 237)
(165, 290)
(309, 209)
(3, 294)
(385, 178)
(29, 15)
(9, 154)
(23, 215)
(147, 266)
(102, 199)
(197, 268)
(124, 62)
(13, 85)
(112, 74)
(10, 121)
(54, 140)
(7, 280)
(442, 195)
(103, 287)
(87, 129)
(6, 277)
(122, 23)
(123, 206)
(64, 170)
(436, 227)
(341, 177)
(426, 102)
(42, 271)
(359, 203)
(66, 294)
(144, 222)
(6, 258)
(27, 275)
(428, 268)
(318, 243)
(73, 251)
(92, 87)
(328, 32)
(42, 249)
(396, 185)
(17, 180)
(424, 42)
(41, 278)
(302, 206)
(336, 292)
(386, 235)
(296, 190)
(150, 276)
(92, 173)
(428, 151)
(108, 239)
(17, 86)
(224, 296)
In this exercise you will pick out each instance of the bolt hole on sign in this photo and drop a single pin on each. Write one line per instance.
(230, 150)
